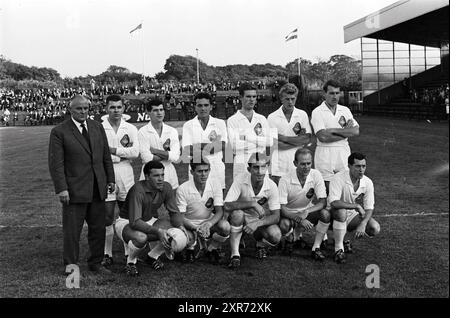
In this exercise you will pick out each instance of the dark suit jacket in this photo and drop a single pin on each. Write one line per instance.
(73, 165)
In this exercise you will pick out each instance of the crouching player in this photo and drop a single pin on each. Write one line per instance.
(138, 222)
(297, 209)
(254, 207)
(200, 201)
(352, 201)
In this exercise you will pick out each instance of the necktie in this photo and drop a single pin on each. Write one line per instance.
(85, 133)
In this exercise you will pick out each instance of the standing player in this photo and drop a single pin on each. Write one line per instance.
(124, 147)
(200, 201)
(248, 131)
(138, 222)
(333, 124)
(204, 137)
(293, 131)
(159, 142)
(254, 207)
(352, 201)
(297, 208)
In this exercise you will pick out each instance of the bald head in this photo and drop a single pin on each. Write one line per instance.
(79, 108)
(79, 99)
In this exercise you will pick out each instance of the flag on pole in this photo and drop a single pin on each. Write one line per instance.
(291, 36)
(136, 28)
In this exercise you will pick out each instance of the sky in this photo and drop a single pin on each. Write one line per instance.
(83, 37)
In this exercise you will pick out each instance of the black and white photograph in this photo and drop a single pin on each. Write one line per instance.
(240, 151)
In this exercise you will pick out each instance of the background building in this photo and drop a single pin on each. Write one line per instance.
(404, 53)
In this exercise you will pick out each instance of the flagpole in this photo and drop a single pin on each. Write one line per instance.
(299, 61)
(143, 53)
(198, 74)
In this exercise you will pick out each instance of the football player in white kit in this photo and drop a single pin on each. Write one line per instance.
(204, 137)
(333, 124)
(200, 201)
(297, 208)
(158, 141)
(293, 131)
(253, 206)
(124, 147)
(352, 200)
(248, 131)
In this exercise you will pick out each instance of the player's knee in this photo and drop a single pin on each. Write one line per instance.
(285, 225)
(373, 229)
(273, 235)
(223, 228)
(109, 219)
(237, 217)
(340, 215)
(139, 239)
(325, 216)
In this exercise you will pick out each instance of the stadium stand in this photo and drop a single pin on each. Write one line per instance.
(404, 51)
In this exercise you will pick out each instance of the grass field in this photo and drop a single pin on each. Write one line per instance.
(407, 160)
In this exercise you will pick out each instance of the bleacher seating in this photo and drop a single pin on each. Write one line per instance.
(406, 109)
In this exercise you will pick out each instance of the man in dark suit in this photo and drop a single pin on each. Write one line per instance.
(82, 172)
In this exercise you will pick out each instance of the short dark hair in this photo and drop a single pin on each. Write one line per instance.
(258, 156)
(246, 87)
(357, 156)
(153, 164)
(330, 83)
(302, 151)
(113, 98)
(152, 102)
(202, 162)
(203, 95)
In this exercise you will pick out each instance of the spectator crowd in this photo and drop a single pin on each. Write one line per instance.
(48, 106)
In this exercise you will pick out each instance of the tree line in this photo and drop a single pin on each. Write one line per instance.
(345, 69)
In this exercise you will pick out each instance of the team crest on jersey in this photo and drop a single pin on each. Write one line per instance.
(212, 136)
(298, 129)
(360, 199)
(262, 201)
(310, 193)
(125, 141)
(210, 203)
(166, 145)
(342, 121)
(258, 129)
